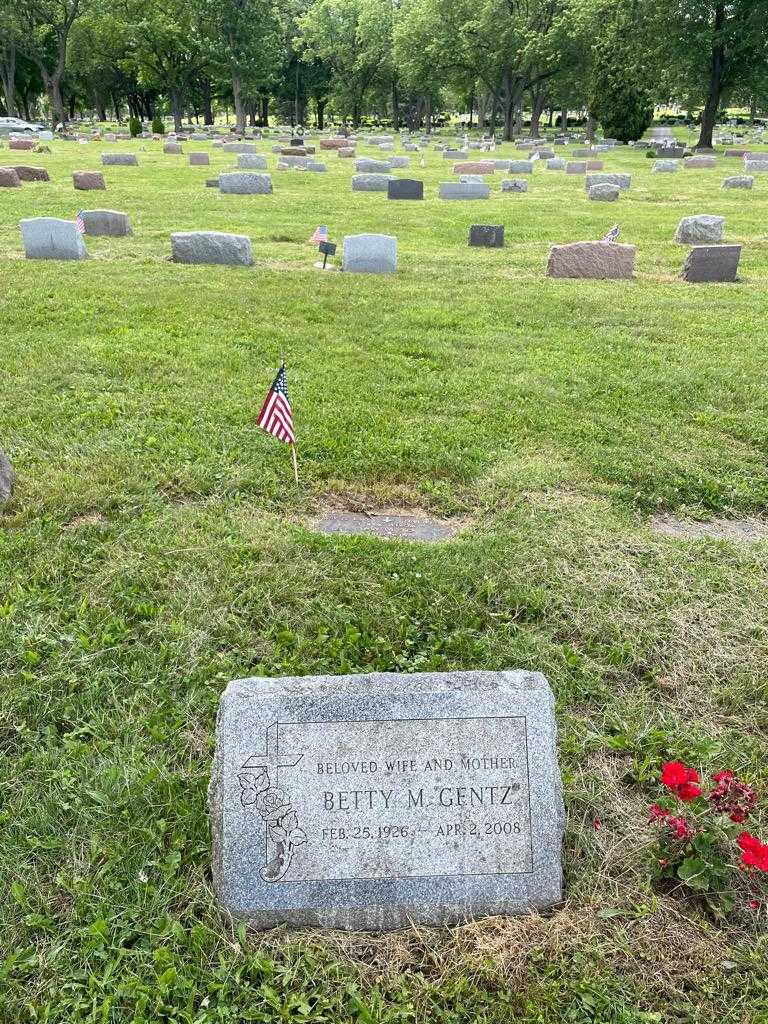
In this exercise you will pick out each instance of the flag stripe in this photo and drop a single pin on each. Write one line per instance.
(276, 416)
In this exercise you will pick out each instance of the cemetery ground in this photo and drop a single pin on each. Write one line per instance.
(157, 547)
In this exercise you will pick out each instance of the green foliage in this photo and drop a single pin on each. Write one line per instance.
(620, 94)
(158, 125)
(134, 126)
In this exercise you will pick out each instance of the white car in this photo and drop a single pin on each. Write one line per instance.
(15, 126)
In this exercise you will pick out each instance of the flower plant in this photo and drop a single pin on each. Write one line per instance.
(702, 843)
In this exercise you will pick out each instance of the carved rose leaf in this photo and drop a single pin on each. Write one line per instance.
(296, 837)
(252, 785)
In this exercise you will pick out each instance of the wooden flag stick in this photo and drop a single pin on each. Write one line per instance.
(295, 464)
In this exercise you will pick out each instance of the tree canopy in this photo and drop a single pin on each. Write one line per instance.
(393, 61)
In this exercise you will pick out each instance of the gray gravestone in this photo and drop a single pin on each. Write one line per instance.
(489, 236)
(665, 166)
(556, 163)
(367, 166)
(624, 181)
(172, 148)
(576, 167)
(520, 167)
(7, 479)
(464, 190)
(108, 223)
(199, 159)
(694, 163)
(252, 161)
(239, 147)
(405, 188)
(703, 228)
(245, 183)
(48, 238)
(216, 247)
(376, 801)
(371, 182)
(514, 185)
(119, 160)
(603, 193)
(756, 166)
(599, 260)
(712, 263)
(370, 254)
(738, 181)
(9, 178)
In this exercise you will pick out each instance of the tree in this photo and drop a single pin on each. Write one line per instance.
(243, 41)
(354, 39)
(41, 30)
(712, 48)
(620, 95)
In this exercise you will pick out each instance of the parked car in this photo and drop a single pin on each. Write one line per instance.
(13, 125)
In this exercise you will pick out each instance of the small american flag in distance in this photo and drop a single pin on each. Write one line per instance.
(80, 223)
(321, 234)
(276, 417)
(613, 234)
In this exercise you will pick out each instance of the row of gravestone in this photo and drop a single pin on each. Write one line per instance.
(51, 238)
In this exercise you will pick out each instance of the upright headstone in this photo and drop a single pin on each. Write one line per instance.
(487, 236)
(49, 238)
(88, 181)
(708, 263)
(119, 159)
(9, 178)
(370, 254)
(245, 183)
(464, 190)
(604, 193)
(514, 185)
(624, 181)
(599, 260)
(199, 159)
(27, 173)
(380, 801)
(110, 223)
(738, 181)
(704, 227)
(405, 188)
(371, 182)
(215, 247)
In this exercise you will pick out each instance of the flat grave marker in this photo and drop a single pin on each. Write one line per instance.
(373, 801)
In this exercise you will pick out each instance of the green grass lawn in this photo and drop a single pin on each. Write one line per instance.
(157, 547)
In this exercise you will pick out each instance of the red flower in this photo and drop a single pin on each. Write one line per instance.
(681, 780)
(732, 797)
(754, 852)
(754, 904)
(680, 829)
(658, 813)
(597, 824)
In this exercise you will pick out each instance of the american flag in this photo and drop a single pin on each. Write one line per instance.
(613, 234)
(80, 223)
(321, 234)
(276, 416)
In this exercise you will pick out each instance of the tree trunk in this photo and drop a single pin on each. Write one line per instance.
(590, 129)
(320, 104)
(207, 102)
(8, 76)
(264, 117)
(52, 84)
(176, 109)
(395, 106)
(471, 108)
(428, 114)
(519, 117)
(564, 119)
(753, 108)
(355, 114)
(237, 94)
(716, 72)
(537, 110)
(494, 114)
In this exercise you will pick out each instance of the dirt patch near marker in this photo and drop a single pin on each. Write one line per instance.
(742, 529)
(89, 519)
(387, 525)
